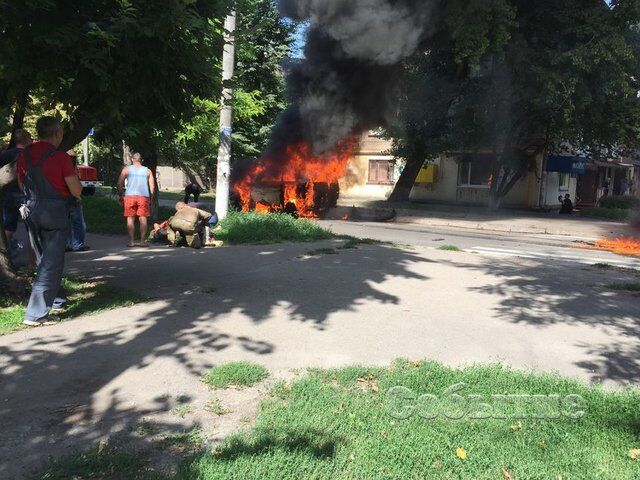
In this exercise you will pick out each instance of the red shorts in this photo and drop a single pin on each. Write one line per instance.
(137, 207)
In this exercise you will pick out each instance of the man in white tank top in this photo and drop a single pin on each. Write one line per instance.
(136, 188)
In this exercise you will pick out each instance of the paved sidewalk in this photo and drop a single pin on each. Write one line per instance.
(506, 220)
(84, 380)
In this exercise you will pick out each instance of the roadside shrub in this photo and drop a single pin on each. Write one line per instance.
(608, 213)
(620, 202)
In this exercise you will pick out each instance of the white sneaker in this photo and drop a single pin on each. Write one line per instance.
(41, 322)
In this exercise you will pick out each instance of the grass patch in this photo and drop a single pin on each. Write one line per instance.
(620, 202)
(101, 461)
(322, 251)
(86, 297)
(608, 213)
(103, 215)
(11, 318)
(182, 410)
(449, 248)
(625, 287)
(334, 425)
(253, 228)
(184, 441)
(145, 428)
(215, 406)
(354, 242)
(604, 266)
(236, 374)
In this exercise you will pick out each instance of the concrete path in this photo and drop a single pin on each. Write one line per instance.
(70, 384)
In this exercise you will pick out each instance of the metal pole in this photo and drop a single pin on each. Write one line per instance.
(226, 117)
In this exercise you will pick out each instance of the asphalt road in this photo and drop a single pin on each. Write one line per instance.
(526, 302)
(492, 244)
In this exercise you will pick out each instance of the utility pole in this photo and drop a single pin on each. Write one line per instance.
(226, 117)
(85, 151)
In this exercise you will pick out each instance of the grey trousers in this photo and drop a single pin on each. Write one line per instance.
(51, 229)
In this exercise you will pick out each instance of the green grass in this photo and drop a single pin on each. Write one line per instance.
(354, 242)
(333, 425)
(11, 319)
(604, 266)
(182, 410)
(625, 287)
(620, 202)
(86, 297)
(608, 213)
(101, 461)
(236, 374)
(104, 215)
(254, 228)
(184, 441)
(322, 251)
(449, 248)
(215, 406)
(178, 196)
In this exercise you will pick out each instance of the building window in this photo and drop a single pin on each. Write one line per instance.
(381, 172)
(475, 171)
(563, 181)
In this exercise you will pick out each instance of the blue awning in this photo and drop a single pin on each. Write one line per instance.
(567, 164)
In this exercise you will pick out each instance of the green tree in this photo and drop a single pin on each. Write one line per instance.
(130, 63)
(103, 61)
(263, 41)
(518, 79)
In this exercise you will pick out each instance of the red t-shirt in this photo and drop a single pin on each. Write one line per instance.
(55, 168)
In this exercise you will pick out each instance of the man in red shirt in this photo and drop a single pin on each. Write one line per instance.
(49, 181)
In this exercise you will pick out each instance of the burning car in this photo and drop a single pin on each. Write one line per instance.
(300, 199)
(301, 183)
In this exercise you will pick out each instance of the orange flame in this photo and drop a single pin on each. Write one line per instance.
(299, 168)
(622, 246)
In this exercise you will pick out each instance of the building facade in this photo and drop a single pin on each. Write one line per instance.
(463, 179)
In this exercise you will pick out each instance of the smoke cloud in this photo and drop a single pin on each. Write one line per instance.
(347, 82)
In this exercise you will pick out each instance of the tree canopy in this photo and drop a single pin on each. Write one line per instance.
(518, 79)
(263, 41)
(107, 62)
(144, 72)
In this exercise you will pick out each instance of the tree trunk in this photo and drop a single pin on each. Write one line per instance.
(152, 164)
(78, 128)
(497, 193)
(8, 279)
(407, 180)
(18, 116)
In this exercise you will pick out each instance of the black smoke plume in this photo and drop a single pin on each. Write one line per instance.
(347, 82)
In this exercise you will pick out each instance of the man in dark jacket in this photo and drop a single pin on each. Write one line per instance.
(14, 198)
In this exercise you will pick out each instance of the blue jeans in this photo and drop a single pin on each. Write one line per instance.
(78, 228)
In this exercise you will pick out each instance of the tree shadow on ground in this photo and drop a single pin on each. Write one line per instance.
(312, 441)
(50, 381)
(543, 293)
